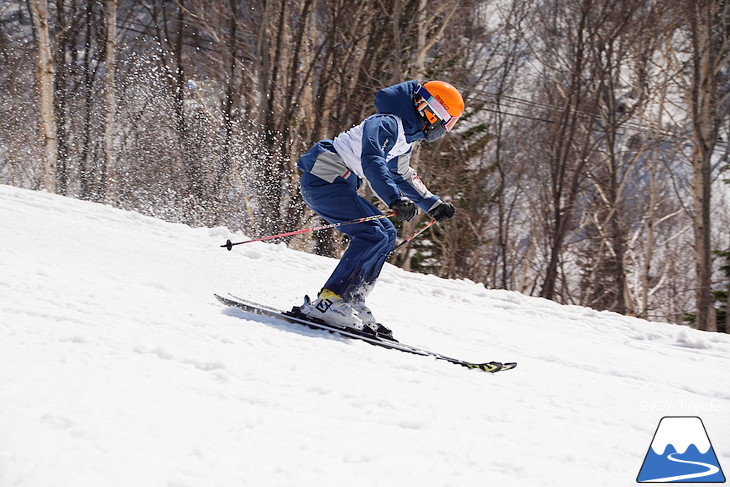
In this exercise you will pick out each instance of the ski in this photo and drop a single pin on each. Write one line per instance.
(261, 309)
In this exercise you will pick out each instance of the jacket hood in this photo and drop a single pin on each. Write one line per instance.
(398, 100)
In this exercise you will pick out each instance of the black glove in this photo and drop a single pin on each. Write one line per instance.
(404, 209)
(442, 212)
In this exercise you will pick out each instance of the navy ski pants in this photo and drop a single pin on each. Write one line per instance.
(370, 242)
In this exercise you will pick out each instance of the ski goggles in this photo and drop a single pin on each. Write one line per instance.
(438, 119)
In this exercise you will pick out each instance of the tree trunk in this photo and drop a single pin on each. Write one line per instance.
(86, 157)
(705, 126)
(60, 102)
(727, 309)
(45, 75)
(111, 188)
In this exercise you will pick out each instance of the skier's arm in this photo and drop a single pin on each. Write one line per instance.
(411, 185)
(378, 138)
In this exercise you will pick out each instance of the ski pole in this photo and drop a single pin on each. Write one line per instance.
(229, 245)
(411, 237)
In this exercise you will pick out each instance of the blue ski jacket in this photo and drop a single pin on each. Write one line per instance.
(377, 150)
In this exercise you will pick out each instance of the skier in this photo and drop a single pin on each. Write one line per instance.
(379, 150)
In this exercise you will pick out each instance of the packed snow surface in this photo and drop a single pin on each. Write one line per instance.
(119, 368)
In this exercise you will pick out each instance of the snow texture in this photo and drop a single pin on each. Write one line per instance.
(119, 368)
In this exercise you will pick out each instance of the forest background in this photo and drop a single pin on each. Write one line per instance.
(588, 169)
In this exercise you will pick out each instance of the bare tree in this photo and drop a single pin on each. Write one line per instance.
(110, 163)
(569, 145)
(708, 24)
(45, 81)
(619, 56)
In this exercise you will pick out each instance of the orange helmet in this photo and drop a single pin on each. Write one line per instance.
(440, 106)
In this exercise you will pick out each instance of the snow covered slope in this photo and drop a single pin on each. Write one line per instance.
(119, 368)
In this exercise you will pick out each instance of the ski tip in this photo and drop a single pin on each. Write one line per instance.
(492, 367)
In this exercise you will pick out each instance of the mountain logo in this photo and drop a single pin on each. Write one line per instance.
(681, 452)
